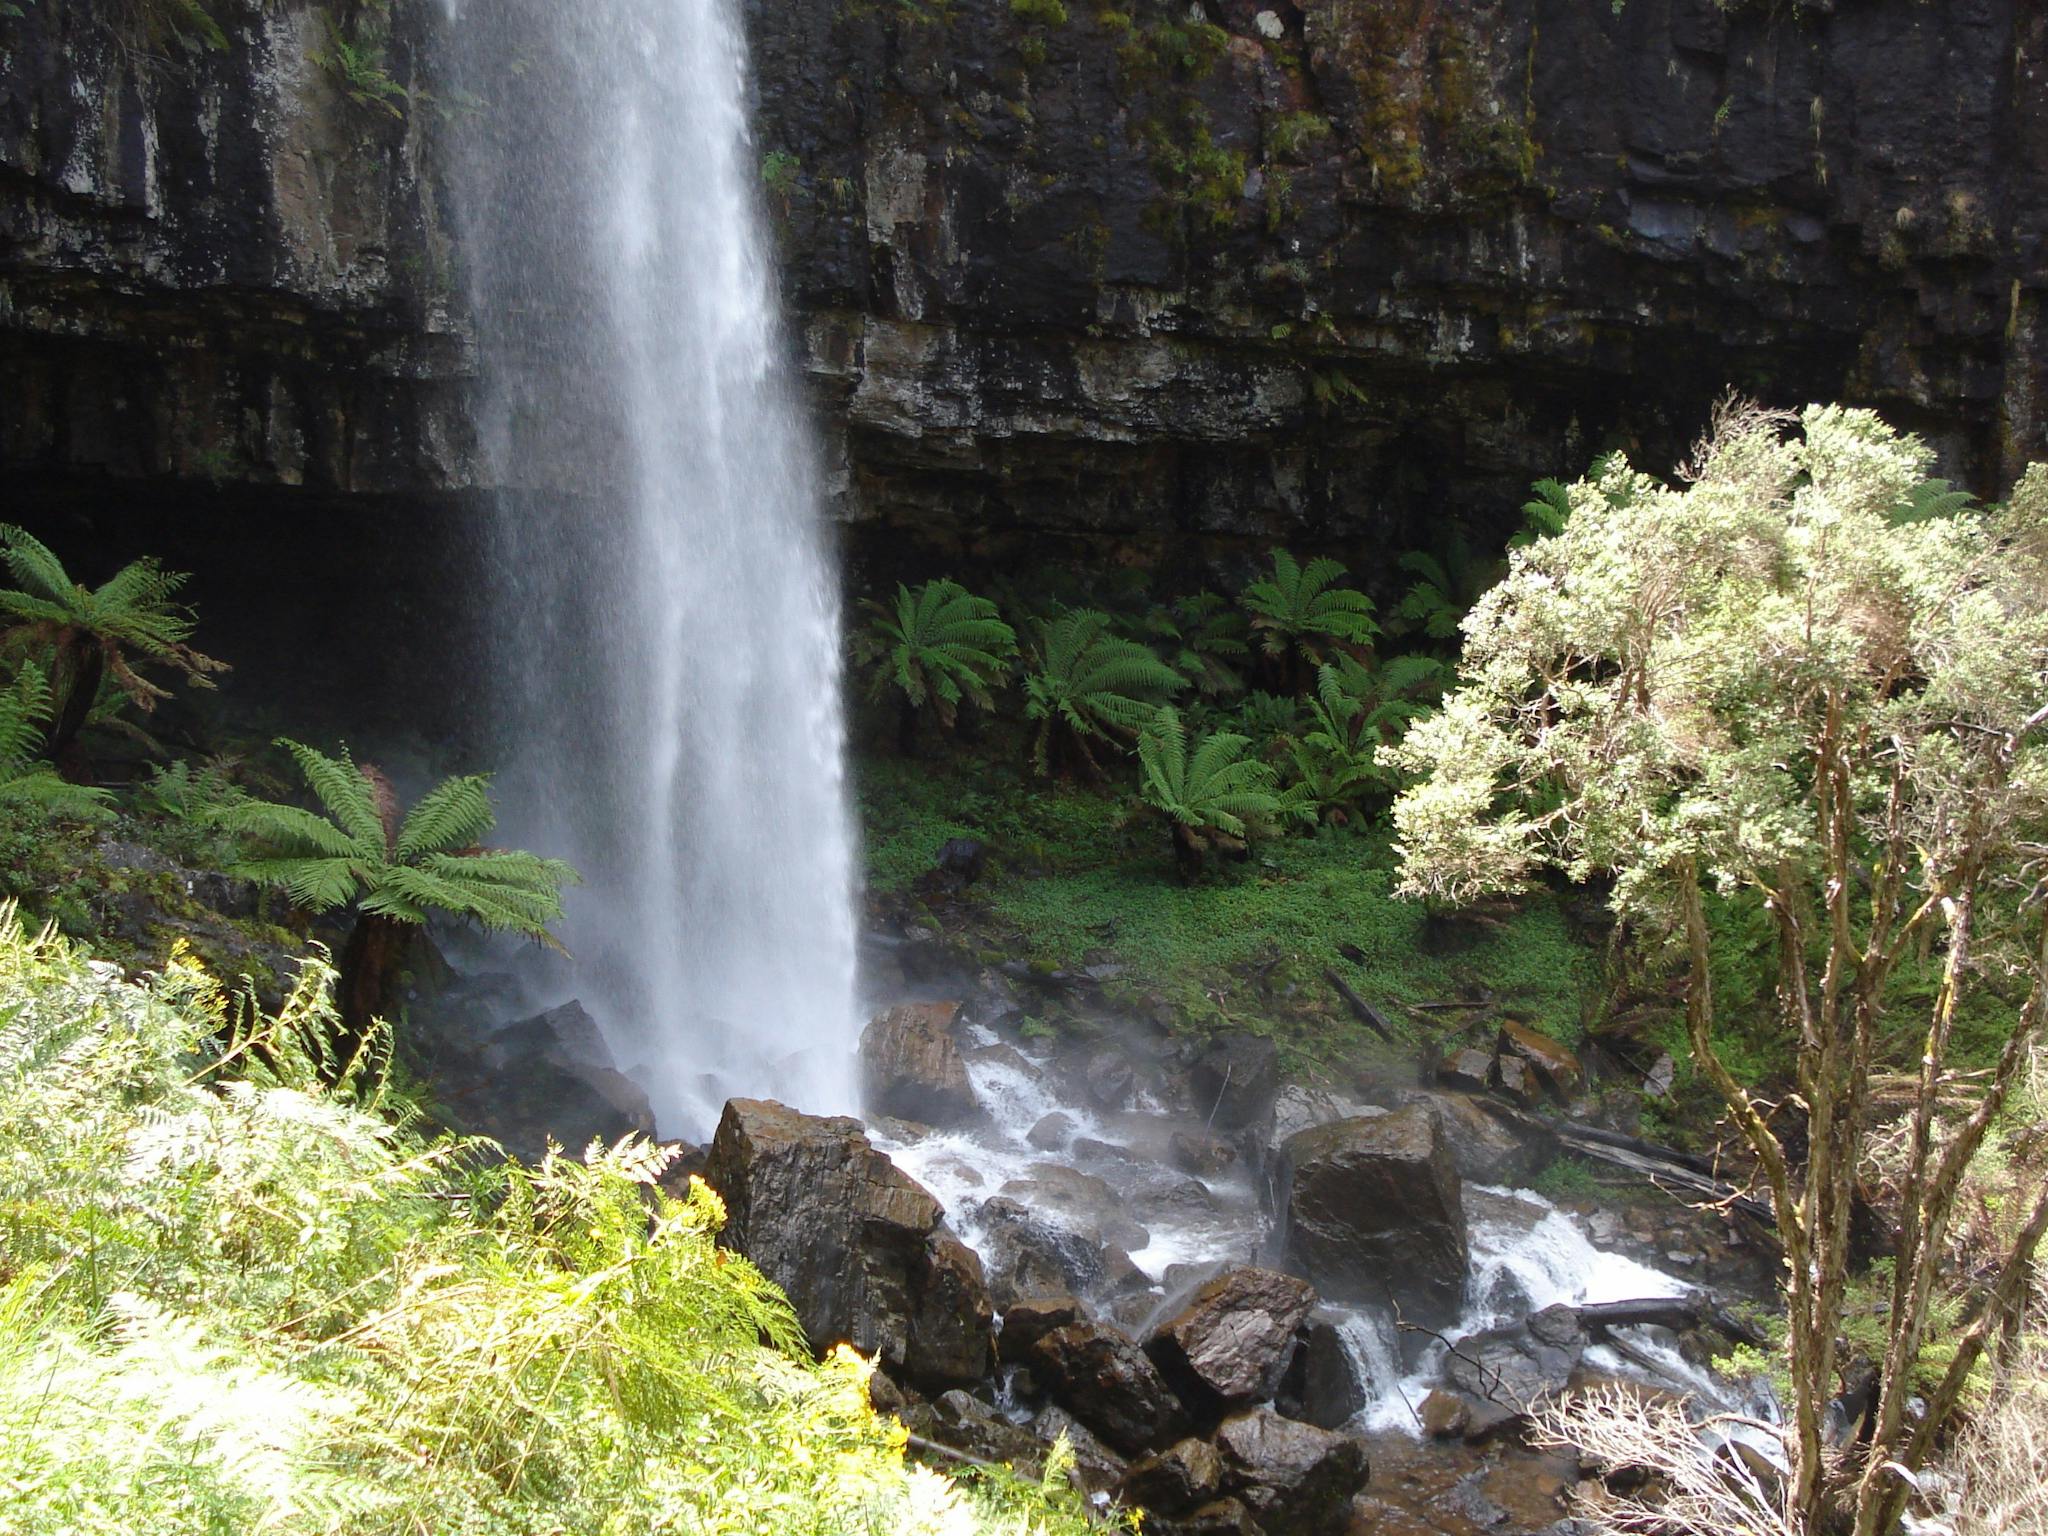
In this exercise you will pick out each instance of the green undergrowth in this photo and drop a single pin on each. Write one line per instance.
(240, 1291)
(1075, 878)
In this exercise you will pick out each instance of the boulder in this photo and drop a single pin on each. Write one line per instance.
(1486, 1148)
(1235, 1079)
(1097, 1467)
(1519, 1366)
(1027, 1321)
(911, 1067)
(1468, 1069)
(1294, 1477)
(1560, 1071)
(966, 1423)
(856, 1244)
(964, 858)
(1107, 1077)
(1052, 1132)
(1200, 1154)
(1080, 1201)
(1516, 1078)
(1107, 1382)
(1324, 1385)
(551, 1078)
(1186, 1474)
(1231, 1343)
(1030, 1255)
(1375, 1212)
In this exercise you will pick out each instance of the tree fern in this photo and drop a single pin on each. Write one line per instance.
(24, 782)
(1356, 712)
(1299, 615)
(1203, 638)
(90, 637)
(395, 871)
(1932, 499)
(1212, 796)
(936, 646)
(1085, 683)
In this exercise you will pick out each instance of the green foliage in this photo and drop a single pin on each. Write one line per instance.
(359, 65)
(1211, 795)
(1545, 513)
(1428, 608)
(235, 1298)
(1300, 610)
(1051, 13)
(780, 173)
(1932, 499)
(1291, 133)
(360, 853)
(1356, 712)
(1202, 637)
(93, 635)
(1085, 683)
(25, 783)
(937, 645)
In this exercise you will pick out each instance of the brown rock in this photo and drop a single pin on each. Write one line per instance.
(911, 1067)
(1559, 1070)
(1293, 1477)
(1106, 1382)
(855, 1243)
(1186, 1474)
(1231, 1343)
(1375, 1211)
(1202, 1155)
(1469, 1069)
(1027, 1321)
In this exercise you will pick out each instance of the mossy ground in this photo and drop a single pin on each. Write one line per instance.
(1077, 875)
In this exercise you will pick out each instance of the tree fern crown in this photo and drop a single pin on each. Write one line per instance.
(355, 851)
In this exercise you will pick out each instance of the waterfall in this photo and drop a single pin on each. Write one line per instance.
(661, 602)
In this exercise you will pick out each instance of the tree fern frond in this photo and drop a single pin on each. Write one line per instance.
(343, 790)
(456, 813)
(37, 570)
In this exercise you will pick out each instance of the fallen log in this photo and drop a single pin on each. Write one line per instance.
(1677, 1313)
(1361, 1010)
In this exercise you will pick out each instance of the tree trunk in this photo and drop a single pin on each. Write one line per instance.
(86, 668)
(372, 961)
(906, 728)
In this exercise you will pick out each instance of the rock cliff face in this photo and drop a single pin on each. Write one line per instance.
(217, 267)
(1151, 275)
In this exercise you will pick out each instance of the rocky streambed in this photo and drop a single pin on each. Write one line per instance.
(1247, 1304)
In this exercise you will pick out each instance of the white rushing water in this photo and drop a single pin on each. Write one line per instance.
(662, 606)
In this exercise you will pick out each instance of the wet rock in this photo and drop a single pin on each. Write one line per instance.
(1031, 1318)
(1444, 1414)
(1181, 1200)
(1468, 1069)
(856, 1244)
(1052, 1132)
(1293, 1477)
(1231, 1343)
(1298, 1107)
(1663, 1072)
(1516, 1078)
(1096, 1466)
(966, 1423)
(1324, 1385)
(1375, 1212)
(1235, 1079)
(1222, 1517)
(1094, 1150)
(1519, 1366)
(1107, 1382)
(1008, 1057)
(1202, 1155)
(911, 1067)
(1084, 1202)
(1107, 1078)
(1030, 1255)
(1556, 1068)
(1186, 1474)
(1485, 1147)
(551, 1078)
